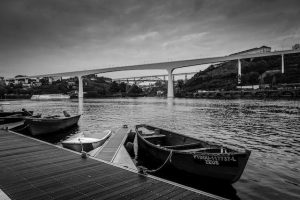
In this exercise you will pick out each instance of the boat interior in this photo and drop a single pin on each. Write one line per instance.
(174, 141)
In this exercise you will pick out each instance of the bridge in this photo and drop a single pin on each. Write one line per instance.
(152, 78)
(169, 67)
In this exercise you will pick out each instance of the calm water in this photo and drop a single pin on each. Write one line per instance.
(270, 129)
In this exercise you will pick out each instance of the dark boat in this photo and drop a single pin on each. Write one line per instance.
(191, 155)
(22, 113)
(46, 125)
(11, 117)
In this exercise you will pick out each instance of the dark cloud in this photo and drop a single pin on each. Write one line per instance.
(97, 32)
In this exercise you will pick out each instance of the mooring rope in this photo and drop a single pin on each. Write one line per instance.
(80, 144)
(83, 153)
(169, 158)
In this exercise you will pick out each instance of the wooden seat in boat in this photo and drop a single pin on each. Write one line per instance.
(185, 146)
(210, 150)
(154, 136)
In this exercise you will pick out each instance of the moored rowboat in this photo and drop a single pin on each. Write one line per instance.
(191, 155)
(11, 117)
(85, 143)
(41, 126)
(22, 113)
(50, 97)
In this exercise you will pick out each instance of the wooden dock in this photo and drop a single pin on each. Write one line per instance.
(110, 148)
(32, 169)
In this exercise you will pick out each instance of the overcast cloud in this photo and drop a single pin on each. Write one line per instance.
(48, 36)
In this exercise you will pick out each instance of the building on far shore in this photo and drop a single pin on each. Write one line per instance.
(262, 49)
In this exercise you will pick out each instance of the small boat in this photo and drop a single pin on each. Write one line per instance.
(11, 117)
(47, 125)
(22, 113)
(190, 155)
(50, 97)
(85, 143)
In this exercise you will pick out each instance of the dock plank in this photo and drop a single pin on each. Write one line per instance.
(110, 148)
(31, 169)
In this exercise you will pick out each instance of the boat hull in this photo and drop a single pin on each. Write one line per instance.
(85, 144)
(6, 114)
(11, 117)
(227, 167)
(84, 147)
(50, 97)
(42, 126)
(7, 120)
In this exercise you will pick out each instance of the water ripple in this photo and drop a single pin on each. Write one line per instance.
(269, 128)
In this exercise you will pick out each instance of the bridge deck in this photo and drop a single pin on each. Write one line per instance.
(31, 169)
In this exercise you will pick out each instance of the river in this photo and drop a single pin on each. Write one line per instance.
(270, 129)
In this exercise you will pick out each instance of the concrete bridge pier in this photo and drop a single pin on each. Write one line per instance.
(239, 71)
(80, 94)
(80, 87)
(170, 84)
(282, 63)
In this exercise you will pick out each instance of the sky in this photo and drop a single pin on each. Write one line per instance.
(49, 36)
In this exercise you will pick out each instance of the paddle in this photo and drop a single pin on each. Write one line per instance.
(25, 111)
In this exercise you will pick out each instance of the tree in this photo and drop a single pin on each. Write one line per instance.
(122, 87)
(63, 87)
(114, 88)
(134, 89)
(158, 83)
(180, 84)
(253, 78)
(2, 89)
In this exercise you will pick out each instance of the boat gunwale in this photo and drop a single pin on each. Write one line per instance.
(237, 150)
(34, 124)
(31, 119)
(84, 142)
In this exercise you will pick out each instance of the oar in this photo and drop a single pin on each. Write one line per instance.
(25, 111)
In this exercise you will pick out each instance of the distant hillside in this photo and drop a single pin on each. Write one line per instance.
(96, 88)
(93, 87)
(224, 76)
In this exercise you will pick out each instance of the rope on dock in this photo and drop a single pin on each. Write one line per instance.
(169, 158)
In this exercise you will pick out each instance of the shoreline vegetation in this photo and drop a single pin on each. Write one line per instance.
(261, 78)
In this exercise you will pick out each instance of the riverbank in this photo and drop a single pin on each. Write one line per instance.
(292, 94)
(247, 94)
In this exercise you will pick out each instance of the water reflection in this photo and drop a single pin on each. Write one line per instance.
(208, 185)
(80, 106)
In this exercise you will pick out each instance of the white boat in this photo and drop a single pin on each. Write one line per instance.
(86, 144)
(4, 103)
(50, 97)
